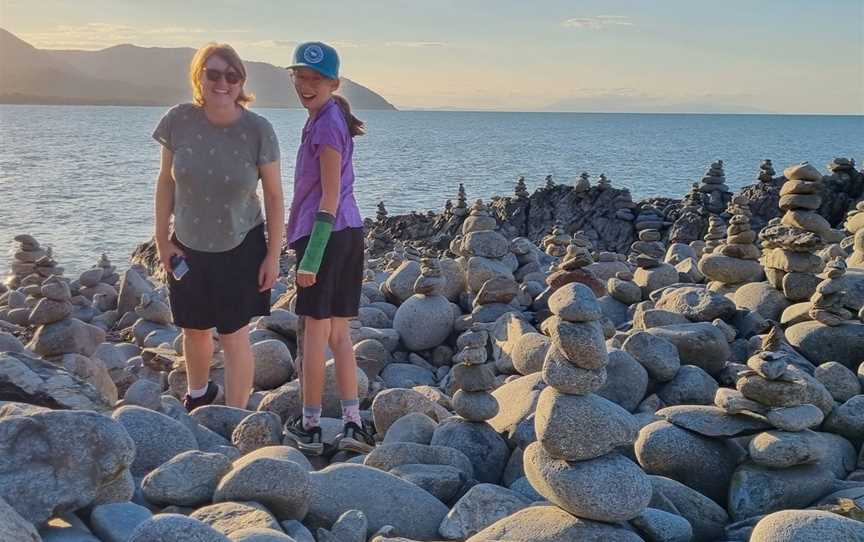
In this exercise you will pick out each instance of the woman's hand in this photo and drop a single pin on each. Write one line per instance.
(305, 280)
(268, 272)
(166, 250)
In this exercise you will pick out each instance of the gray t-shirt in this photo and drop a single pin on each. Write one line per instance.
(216, 175)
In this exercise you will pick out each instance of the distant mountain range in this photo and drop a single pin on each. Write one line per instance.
(131, 75)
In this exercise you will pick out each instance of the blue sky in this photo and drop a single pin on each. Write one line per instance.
(790, 56)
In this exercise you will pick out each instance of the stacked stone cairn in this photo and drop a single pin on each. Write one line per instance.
(574, 463)
(622, 288)
(381, 213)
(550, 184)
(461, 207)
(855, 226)
(766, 171)
(31, 262)
(98, 285)
(843, 168)
(772, 390)
(473, 378)
(827, 301)
(735, 261)
(714, 185)
(790, 258)
(648, 250)
(647, 254)
(521, 190)
(154, 326)
(425, 319)
(555, 243)
(582, 184)
(716, 233)
(572, 267)
(603, 183)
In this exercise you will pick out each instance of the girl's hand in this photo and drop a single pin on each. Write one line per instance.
(167, 250)
(305, 280)
(268, 273)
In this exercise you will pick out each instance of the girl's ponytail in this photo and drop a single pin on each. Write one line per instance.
(355, 126)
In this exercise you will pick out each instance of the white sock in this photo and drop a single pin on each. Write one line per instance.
(195, 394)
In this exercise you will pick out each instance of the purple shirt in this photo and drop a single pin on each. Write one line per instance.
(327, 128)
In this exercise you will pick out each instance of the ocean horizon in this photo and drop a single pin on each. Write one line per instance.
(81, 178)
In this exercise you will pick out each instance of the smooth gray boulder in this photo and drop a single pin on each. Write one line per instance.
(176, 528)
(551, 524)
(230, 517)
(342, 487)
(187, 479)
(15, 528)
(699, 343)
(282, 486)
(25, 378)
(705, 516)
(158, 438)
(755, 490)
(117, 521)
(807, 526)
(483, 446)
(480, 507)
(95, 452)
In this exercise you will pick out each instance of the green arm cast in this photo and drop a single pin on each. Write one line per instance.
(314, 253)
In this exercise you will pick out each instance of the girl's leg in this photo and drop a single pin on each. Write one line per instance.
(314, 346)
(346, 368)
(198, 351)
(239, 367)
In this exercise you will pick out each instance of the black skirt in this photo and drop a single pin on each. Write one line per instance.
(221, 288)
(336, 292)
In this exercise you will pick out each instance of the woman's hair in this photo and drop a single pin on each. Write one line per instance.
(230, 56)
(355, 126)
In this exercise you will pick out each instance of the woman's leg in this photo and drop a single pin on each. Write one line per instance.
(239, 367)
(315, 339)
(198, 351)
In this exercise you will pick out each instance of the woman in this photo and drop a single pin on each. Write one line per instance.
(214, 152)
(326, 230)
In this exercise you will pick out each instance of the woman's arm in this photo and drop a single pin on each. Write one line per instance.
(164, 197)
(274, 210)
(164, 208)
(331, 186)
(274, 206)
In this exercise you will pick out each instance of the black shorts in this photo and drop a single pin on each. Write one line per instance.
(221, 288)
(336, 292)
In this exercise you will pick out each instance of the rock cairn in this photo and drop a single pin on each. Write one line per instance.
(649, 217)
(381, 213)
(154, 326)
(574, 463)
(827, 301)
(774, 391)
(461, 207)
(855, 226)
(648, 251)
(572, 267)
(582, 184)
(550, 184)
(651, 271)
(714, 185)
(716, 233)
(32, 262)
(735, 261)
(555, 243)
(604, 183)
(843, 168)
(425, 319)
(790, 260)
(766, 171)
(521, 190)
(473, 378)
(98, 284)
(622, 288)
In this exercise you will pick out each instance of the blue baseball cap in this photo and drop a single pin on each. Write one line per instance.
(317, 56)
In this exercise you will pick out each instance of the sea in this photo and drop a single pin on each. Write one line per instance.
(81, 178)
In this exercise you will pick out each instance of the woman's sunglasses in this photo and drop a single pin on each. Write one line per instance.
(232, 78)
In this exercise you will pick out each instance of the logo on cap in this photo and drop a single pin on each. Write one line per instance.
(313, 54)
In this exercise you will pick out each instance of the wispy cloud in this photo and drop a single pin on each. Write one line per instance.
(274, 44)
(415, 44)
(597, 22)
(98, 35)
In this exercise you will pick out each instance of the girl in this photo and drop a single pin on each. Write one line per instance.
(326, 231)
(214, 150)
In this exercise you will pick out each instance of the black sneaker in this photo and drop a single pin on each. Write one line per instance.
(307, 441)
(355, 438)
(213, 393)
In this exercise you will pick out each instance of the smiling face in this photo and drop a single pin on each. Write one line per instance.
(313, 89)
(220, 93)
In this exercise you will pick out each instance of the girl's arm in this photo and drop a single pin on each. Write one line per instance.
(331, 186)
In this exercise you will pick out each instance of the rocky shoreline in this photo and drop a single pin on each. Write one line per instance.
(560, 365)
